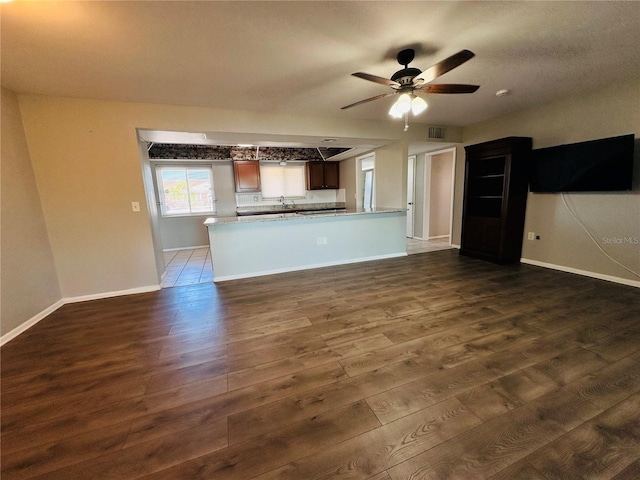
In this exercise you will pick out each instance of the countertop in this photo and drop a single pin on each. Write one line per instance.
(213, 221)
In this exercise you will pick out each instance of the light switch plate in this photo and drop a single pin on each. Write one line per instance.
(135, 206)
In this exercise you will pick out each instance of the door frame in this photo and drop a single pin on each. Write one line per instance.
(428, 159)
(411, 194)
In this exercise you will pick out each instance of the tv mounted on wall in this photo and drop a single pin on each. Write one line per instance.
(604, 165)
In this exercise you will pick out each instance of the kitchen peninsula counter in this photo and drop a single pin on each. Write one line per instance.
(286, 215)
(255, 245)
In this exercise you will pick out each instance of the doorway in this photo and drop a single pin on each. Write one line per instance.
(430, 182)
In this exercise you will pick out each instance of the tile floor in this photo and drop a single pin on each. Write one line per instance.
(187, 267)
(421, 246)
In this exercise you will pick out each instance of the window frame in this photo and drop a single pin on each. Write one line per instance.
(365, 163)
(159, 167)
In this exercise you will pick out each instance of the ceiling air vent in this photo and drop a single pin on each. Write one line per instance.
(436, 133)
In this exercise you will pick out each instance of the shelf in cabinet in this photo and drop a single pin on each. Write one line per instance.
(493, 175)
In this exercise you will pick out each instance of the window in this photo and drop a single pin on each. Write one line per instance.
(185, 190)
(282, 181)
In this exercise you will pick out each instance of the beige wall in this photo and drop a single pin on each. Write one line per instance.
(391, 175)
(87, 166)
(29, 284)
(348, 181)
(612, 111)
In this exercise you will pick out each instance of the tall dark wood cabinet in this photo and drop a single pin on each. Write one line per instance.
(495, 199)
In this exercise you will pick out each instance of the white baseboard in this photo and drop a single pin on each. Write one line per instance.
(10, 335)
(455, 246)
(184, 248)
(599, 276)
(63, 301)
(116, 293)
(225, 278)
(438, 236)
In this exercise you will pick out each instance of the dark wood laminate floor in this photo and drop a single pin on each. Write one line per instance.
(428, 366)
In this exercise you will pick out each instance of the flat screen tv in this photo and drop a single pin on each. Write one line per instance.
(604, 165)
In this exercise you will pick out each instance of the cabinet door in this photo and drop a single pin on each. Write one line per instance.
(331, 174)
(491, 236)
(472, 234)
(481, 235)
(322, 175)
(247, 175)
(315, 175)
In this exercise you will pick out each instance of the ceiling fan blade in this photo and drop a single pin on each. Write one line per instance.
(376, 79)
(368, 100)
(447, 88)
(443, 67)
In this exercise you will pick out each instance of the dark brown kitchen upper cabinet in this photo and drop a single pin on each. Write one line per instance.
(247, 175)
(495, 199)
(322, 175)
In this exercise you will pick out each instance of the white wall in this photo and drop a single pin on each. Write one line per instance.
(29, 281)
(614, 110)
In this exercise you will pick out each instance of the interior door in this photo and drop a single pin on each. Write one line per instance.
(410, 194)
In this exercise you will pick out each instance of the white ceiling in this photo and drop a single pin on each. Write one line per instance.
(297, 57)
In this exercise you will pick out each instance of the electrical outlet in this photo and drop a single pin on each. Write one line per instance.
(531, 236)
(319, 241)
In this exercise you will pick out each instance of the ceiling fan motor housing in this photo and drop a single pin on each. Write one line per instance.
(406, 75)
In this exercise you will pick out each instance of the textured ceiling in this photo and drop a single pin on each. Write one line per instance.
(297, 57)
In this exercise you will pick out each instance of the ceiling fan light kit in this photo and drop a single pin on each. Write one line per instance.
(406, 104)
(409, 81)
(393, 111)
(403, 104)
(418, 105)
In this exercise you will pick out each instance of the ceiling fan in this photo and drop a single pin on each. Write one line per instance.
(409, 81)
